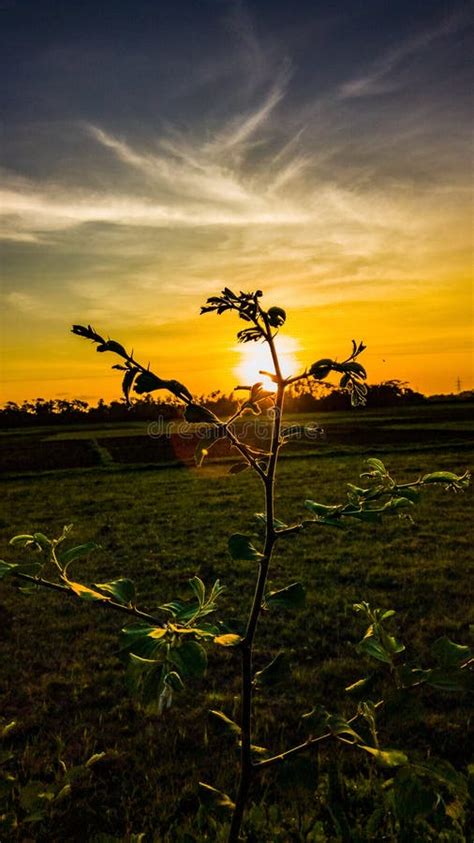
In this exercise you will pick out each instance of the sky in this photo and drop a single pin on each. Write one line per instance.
(154, 152)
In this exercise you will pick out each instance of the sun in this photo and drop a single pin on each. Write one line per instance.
(254, 357)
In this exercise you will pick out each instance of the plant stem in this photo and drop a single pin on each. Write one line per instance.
(246, 766)
(302, 747)
(109, 604)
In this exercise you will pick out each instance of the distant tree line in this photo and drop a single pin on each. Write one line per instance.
(314, 397)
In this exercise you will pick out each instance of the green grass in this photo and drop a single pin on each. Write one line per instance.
(62, 681)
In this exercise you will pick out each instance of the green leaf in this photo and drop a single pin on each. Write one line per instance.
(42, 540)
(277, 523)
(371, 646)
(440, 477)
(410, 676)
(412, 494)
(450, 679)
(377, 465)
(398, 503)
(370, 516)
(339, 726)
(180, 610)
(68, 556)
(320, 508)
(276, 672)
(135, 631)
(189, 658)
(6, 568)
(387, 757)
(215, 799)
(84, 592)
(291, 597)
(21, 540)
(228, 640)
(241, 548)
(388, 613)
(31, 568)
(448, 654)
(122, 589)
(199, 589)
(151, 687)
(224, 725)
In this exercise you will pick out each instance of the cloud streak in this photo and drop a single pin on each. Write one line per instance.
(382, 76)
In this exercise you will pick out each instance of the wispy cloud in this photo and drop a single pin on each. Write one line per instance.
(383, 76)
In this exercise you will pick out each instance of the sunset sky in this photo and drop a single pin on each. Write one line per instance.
(155, 151)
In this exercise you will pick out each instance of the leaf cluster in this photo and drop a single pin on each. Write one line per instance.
(248, 307)
(382, 495)
(140, 378)
(353, 374)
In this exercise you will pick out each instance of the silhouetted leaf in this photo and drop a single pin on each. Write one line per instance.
(321, 369)
(111, 345)
(127, 383)
(148, 382)
(195, 413)
(88, 333)
(276, 317)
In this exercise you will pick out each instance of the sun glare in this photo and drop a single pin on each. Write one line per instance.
(254, 357)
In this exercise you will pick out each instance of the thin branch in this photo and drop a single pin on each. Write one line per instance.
(302, 747)
(296, 378)
(110, 604)
(242, 448)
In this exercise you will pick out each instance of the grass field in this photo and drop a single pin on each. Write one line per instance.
(61, 679)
